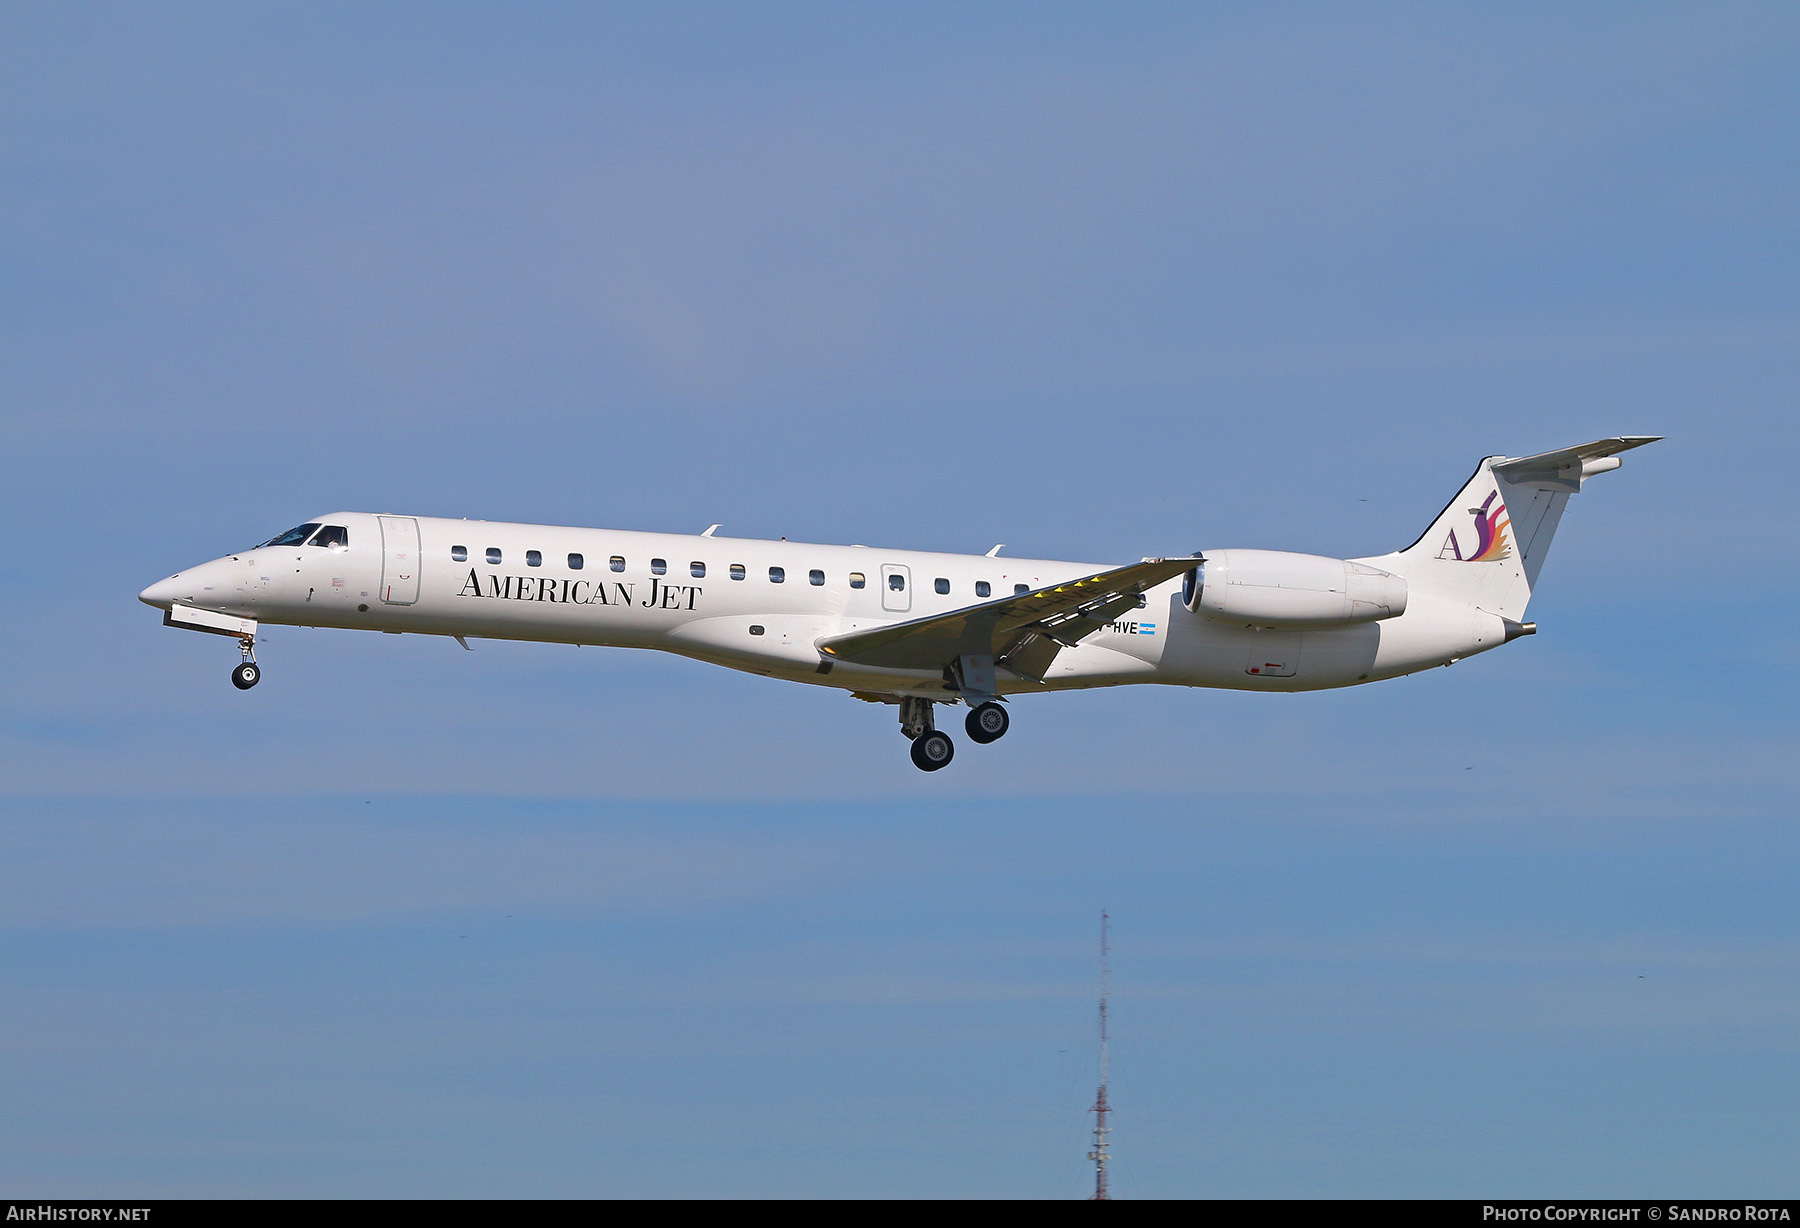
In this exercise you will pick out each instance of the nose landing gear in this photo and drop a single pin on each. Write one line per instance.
(246, 675)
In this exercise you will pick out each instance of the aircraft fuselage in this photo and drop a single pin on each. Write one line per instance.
(763, 606)
(912, 628)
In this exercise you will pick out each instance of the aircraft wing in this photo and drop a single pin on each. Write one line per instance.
(1023, 633)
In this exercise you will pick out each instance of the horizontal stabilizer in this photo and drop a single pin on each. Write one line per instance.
(1570, 463)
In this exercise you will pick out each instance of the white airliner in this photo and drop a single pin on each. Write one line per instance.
(911, 628)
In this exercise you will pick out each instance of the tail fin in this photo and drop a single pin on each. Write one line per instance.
(1487, 546)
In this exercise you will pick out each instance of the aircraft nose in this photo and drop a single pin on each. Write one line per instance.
(164, 593)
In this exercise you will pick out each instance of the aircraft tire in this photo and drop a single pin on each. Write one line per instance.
(932, 750)
(987, 723)
(245, 676)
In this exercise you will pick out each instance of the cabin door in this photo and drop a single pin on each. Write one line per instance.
(399, 559)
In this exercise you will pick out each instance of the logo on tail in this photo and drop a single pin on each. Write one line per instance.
(1490, 535)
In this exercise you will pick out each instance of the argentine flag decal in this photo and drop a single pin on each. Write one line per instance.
(1146, 628)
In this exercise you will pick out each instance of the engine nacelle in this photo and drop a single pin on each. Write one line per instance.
(1272, 588)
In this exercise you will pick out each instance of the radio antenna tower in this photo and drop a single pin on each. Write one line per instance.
(1101, 1109)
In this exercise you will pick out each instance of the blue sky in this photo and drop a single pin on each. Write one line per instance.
(1096, 284)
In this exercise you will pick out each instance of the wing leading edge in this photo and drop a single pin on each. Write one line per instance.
(1023, 633)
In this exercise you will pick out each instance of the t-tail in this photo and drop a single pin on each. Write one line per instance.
(1485, 549)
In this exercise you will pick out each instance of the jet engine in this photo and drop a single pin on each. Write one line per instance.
(1273, 588)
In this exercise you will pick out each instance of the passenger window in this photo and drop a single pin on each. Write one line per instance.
(896, 581)
(1019, 590)
(756, 629)
(333, 535)
(576, 562)
(697, 570)
(493, 555)
(617, 562)
(815, 577)
(659, 567)
(459, 553)
(534, 558)
(941, 585)
(777, 575)
(983, 588)
(857, 579)
(737, 571)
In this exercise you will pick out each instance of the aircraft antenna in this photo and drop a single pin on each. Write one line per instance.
(1101, 1108)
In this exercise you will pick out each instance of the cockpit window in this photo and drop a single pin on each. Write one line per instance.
(332, 535)
(293, 537)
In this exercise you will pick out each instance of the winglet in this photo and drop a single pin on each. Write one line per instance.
(712, 530)
(995, 552)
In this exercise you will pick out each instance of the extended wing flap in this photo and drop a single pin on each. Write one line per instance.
(1031, 656)
(1024, 632)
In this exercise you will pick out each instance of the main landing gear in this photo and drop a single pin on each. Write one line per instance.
(246, 675)
(987, 723)
(932, 748)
